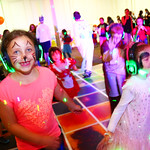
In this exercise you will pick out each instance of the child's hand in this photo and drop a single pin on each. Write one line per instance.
(75, 68)
(105, 141)
(53, 143)
(75, 108)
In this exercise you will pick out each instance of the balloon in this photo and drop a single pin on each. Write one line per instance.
(1, 20)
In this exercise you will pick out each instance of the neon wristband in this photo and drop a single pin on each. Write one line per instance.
(107, 134)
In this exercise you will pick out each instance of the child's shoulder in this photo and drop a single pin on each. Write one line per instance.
(134, 82)
(5, 81)
(44, 70)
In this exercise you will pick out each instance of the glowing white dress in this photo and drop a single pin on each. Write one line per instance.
(130, 121)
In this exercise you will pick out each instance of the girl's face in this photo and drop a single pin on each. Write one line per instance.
(146, 60)
(56, 56)
(139, 22)
(116, 37)
(21, 52)
(32, 28)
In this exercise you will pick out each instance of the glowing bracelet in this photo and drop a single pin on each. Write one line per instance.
(107, 134)
(110, 138)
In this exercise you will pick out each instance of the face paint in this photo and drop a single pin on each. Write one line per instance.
(21, 52)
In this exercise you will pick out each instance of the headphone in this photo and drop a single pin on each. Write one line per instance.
(132, 65)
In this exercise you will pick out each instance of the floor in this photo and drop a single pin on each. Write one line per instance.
(82, 131)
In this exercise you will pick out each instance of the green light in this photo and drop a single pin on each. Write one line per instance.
(107, 35)
(65, 100)
(123, 35)
(50, 60)
(149, 137)
(40, 48)
(10, 69)
(131, 67)
(114, 100)
(143, 73)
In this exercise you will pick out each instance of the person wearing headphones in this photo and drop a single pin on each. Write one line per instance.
(26, 96)
(114, 63)
(129, 127)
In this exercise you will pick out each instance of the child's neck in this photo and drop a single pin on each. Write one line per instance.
(25, 78)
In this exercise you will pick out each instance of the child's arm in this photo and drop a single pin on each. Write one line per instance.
(62, 96)
(10, 122)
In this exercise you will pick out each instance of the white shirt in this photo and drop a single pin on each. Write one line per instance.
(43, 33)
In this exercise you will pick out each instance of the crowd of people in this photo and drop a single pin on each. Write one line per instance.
(122, 45)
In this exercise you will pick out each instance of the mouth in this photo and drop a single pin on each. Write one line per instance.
(26, 63)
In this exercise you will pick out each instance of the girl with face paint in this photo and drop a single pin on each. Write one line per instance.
(26, 96)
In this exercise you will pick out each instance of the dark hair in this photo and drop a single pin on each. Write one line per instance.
(76, 15)
(126, 9)
(30, 28)
(139, 18)
(63, 31)
(101, 18)
(11, 36)
(115, 28)
(5, 32)
(134, 55)
(53, 50)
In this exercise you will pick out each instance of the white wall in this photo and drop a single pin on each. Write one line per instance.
(19, 14)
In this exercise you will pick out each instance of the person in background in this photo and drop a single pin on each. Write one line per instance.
(66, 43)
(140, 32)
(114, 63)
(25, 113)
(129, 128)
(109, 20)
(140, 14)
(133, 18)
(32, 29)
(44, 37)
(61, 67)
(102, 29)
(118, 19)
(5, 32)
(84, 42)
(127, 26)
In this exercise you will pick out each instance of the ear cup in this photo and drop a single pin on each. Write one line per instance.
(6, 62)
(37, 52)
(132, 65)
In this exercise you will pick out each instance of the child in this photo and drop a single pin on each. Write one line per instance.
(26, 96)
(140, 32)
(129, 128)
(66, 43)
(61, 67)
(114, 64)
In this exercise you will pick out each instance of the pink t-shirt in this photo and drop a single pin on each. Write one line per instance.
(32, 105)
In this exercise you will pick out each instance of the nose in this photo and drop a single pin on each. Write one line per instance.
(25, 58)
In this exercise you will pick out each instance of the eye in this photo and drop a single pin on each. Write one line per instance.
(145, 59)
(29, 49)
(16, 52)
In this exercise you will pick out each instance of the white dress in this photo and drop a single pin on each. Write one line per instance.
(84, 42)
(130, 121)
